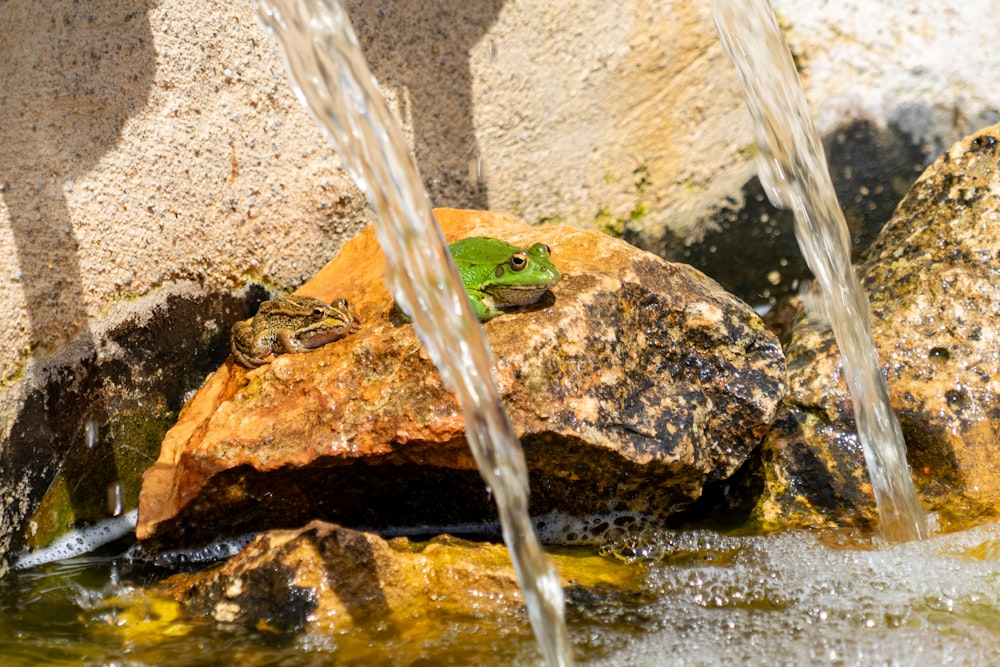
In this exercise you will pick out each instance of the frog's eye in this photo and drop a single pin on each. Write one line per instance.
(518, 261)
(541, 249)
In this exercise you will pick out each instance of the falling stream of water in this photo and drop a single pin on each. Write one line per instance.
(792, 167)
(332, 79)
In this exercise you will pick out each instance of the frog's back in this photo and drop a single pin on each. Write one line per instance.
(481, 250)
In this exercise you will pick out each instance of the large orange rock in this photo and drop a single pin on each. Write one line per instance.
(632, 385)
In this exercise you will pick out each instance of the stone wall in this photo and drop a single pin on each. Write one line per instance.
(145, 143)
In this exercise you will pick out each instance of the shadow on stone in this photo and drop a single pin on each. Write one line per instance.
(431, 70)
(98, 419)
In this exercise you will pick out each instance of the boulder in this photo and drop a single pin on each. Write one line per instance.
(89, 425)
(933, 279)
(632, 385)
(361, 588)
(364, 599)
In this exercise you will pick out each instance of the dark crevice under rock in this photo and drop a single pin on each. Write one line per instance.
(383, 494)
(871, 167)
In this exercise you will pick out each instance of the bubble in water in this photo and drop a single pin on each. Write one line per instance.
(216, 551)
(115, 498)
(90, 433)
(796, 600)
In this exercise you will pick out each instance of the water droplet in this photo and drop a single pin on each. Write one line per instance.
(90, 433)
(939, 354)
(115, 498)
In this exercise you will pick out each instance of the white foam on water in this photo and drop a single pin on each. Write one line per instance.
(553, 528)
(80, 541)
(591, 530)
(791, 600)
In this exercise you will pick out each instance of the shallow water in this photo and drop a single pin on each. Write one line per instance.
(799, 598)
(795, 600)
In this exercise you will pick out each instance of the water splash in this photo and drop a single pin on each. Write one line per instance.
(332, 79)
(90, 431)
(792, 168)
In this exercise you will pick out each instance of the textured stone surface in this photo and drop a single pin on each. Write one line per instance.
(133, 128)
(407, 598)
(647, 131)
(342, 580)
(632, 386)
(934, 280)
(90, 426)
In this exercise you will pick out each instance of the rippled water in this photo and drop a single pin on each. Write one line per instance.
(792, 167)
(704, 598)
(332, 79)
(795, 599)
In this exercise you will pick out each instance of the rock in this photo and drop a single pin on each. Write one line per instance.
(406, 597)
(93, 414)
(782, 315)
(632, 386)
(934, 285)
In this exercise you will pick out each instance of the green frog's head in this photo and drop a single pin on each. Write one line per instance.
(527, 271)
(497, 274)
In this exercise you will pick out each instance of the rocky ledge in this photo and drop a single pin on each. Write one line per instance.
(368, 591)
(632, 385)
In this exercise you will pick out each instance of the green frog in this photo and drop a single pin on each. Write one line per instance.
(498, 275)
(292, 323)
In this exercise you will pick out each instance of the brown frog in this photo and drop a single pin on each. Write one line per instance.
(292, 323)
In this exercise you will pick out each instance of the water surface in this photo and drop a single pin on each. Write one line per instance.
(799, 598)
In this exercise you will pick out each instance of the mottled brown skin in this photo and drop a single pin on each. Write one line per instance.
(290, 324)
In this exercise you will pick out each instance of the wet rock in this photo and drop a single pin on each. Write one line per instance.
(360, 588)
(632, 385)
(84, 422)
(782, 315)
(934, 284)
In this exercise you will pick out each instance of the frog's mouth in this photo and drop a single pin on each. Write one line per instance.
(327, 334)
